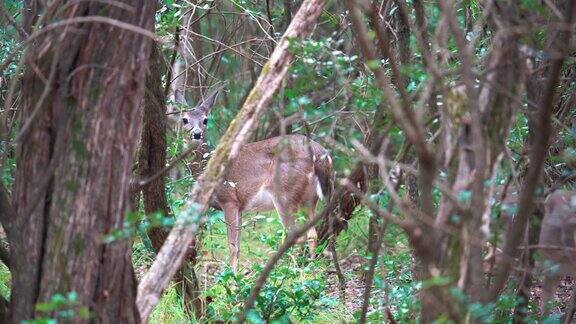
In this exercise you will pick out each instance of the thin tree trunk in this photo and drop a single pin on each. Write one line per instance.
(151, 161)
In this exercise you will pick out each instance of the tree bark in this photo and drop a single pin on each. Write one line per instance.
(80, 118)
(151, 161)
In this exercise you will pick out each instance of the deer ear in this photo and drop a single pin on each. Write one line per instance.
(208, 103)
(179, 98)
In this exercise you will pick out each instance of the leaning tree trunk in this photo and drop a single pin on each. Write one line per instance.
(80, 123)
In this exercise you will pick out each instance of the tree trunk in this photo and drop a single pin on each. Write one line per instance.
(80, 120)
(151, 161)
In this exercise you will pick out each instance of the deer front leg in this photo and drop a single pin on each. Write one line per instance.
(232, 218)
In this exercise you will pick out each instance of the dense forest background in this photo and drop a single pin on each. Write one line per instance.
(450, 124)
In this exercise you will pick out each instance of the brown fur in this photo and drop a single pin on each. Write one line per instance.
(256, 162)
(279, 173)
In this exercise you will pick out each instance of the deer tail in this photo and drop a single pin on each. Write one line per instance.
(323, 171)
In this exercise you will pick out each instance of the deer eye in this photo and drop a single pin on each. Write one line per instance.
(185, 120)
(205, 121)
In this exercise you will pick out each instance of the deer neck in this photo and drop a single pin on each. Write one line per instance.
(198, 157)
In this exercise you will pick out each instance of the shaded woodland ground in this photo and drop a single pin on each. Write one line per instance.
(447, 180)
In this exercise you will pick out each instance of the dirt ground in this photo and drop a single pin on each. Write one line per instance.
(355, 287)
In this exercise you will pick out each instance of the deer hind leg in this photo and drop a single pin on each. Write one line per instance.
(312, 235)
(286, 213)
(232, 218)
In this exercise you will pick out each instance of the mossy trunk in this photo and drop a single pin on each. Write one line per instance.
(80, 120)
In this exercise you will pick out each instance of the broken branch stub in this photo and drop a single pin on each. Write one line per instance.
(175, 247)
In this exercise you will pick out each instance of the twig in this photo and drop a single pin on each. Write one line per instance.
(223, 45)
(269, 14)
(402, 114)
(200, 60)
(166, 169)
(93, 19)
(339, 274)
(374, 249)
(172, 61)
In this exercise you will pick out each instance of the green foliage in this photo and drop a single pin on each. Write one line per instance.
(65, 307)
(170, 309)
(9, 48)
(135, 224)
(168, 18)
(8, 168)
(10, 39)
(5, 279)
(290, 292)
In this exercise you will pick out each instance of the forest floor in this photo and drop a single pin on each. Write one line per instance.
(355, 284)
(355, 287)
(352, 266)
(563, 295)
(400, 292)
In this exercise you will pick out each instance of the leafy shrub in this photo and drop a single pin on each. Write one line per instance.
(289, 293)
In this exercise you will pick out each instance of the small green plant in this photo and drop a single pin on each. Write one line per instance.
(60, 307)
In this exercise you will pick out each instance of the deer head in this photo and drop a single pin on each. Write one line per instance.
(195, 120)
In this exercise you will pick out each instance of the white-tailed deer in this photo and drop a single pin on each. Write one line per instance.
(557, 241)
(286, 173)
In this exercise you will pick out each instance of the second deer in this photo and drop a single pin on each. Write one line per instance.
(285, 173)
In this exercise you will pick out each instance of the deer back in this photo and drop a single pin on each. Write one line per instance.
(285, 167)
